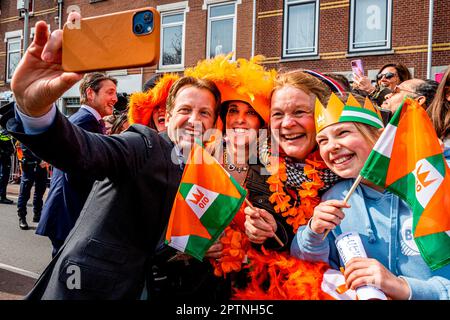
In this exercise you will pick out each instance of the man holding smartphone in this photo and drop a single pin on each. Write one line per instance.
(107, 253)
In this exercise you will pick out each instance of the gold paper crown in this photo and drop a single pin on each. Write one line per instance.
(352, 111)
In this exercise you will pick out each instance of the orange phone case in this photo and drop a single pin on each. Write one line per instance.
(108, 42)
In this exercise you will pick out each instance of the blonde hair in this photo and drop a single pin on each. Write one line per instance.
(305, 82)
(370, 134)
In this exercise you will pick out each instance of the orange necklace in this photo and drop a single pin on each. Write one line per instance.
(301, 211)
(235, 246)
(234, 240)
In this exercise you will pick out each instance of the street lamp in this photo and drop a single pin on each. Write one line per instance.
(24, 8)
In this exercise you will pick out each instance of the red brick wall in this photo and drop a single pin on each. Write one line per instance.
(9, 21)
(196, 25)
(409, 28)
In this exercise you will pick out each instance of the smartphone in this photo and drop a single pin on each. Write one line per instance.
(438, 76)
(119, 40)
(357, 67)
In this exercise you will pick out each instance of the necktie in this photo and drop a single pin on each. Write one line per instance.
(102, 126)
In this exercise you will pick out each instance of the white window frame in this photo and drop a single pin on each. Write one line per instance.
(352, 30)
(181, 7)
(313, 52)
(217, 3)
(16, 37)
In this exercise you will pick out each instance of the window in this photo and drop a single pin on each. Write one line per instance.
(221, 35)
(301, 24)
(370, 25)
(13, 41)
(22, 3)
(173, 17)
(70, 105)
(172, 27)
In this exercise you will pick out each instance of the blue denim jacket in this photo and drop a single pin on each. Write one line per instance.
(384, 223)
(447, 150)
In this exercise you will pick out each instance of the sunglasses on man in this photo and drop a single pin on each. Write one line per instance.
(398, 89)
(387, 75)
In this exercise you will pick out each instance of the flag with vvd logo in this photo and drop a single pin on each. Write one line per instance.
(408, 161)
(207, 200)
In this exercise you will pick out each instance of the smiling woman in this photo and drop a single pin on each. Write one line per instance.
(297, 178)
(293, 130)
(388, 77)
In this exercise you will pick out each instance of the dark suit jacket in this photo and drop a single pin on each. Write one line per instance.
(111, 246)
(68, 192)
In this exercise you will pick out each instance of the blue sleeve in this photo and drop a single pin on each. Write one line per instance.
(434, 288)
(308, 245)
(36, 125)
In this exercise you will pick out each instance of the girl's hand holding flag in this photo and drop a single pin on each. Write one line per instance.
(328, 215)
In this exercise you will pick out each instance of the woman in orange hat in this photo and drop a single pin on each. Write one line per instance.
(148, 108)
(245, 88)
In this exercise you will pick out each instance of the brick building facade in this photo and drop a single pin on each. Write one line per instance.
(289, 33)
(407, 33)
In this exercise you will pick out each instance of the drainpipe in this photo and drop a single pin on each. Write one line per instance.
(60, 10)
(26, 20)
(254, 28)
(430, 39)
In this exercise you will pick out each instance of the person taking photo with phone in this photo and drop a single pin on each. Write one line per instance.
(388, 77)
(107, 254)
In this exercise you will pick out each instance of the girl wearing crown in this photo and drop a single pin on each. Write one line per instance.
(383, 221)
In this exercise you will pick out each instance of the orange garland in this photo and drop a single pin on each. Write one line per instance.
(235, 242)
(299, 213)
(235, 246)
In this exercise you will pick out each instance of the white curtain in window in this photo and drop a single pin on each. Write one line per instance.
(370, 23)
(301, 28)
(221, 41)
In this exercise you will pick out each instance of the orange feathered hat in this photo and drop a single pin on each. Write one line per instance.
(141, 104)
(244, 80)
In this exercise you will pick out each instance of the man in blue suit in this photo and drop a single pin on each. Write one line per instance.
(68, 192)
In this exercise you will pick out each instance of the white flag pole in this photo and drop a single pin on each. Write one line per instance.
(274, 235)
(350, 192)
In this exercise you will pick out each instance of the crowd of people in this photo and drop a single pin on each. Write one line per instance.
(113, 187)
